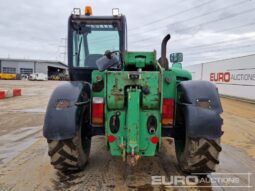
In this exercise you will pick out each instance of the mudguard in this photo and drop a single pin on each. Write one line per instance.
(65, 109)
(201, 106)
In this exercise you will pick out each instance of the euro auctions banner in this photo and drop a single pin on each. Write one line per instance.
(233, 77)
(243, 77)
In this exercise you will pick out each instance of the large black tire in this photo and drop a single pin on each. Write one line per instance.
(198, 155)
(70, 154)
(195, 153)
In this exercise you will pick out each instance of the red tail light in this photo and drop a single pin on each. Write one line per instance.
(168, 112)
(154, 140)
(98, 111)
(111, 138)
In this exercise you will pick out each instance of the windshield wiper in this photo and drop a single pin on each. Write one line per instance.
(78, 54)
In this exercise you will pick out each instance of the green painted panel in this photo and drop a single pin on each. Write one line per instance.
(136, 100)
(95, 76)
(117, 82)
(140, 59)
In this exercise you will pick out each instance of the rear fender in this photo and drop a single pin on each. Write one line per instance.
(66, 107)
(201, 108)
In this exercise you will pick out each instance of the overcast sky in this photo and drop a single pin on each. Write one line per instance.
(203, 30)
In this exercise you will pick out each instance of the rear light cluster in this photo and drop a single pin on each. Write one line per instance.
(98, 111)
(167, 112)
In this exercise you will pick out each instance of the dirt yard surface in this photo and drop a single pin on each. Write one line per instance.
(25, 165)
(27, 110)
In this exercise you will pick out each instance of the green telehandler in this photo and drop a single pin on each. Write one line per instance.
(131, 98)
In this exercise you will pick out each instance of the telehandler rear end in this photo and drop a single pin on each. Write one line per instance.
(131, 98)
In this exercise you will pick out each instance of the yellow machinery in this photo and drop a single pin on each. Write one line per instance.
(8, 76)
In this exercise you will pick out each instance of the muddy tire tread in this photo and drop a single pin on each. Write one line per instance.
(200, 155)
(67, 155)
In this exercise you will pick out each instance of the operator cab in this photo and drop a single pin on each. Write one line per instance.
(89, 37)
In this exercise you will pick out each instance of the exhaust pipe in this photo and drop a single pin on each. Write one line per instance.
(163, 60)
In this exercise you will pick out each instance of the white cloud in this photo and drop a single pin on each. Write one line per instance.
(33, 29)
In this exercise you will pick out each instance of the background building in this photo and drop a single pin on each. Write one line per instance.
(24, 66)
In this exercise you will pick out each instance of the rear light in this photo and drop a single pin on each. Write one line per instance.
(111, 138)
(98, 111)
(167, 112)
(154, 140)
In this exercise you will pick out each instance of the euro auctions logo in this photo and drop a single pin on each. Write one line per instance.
(220, 77)
(226, 77)
(203, 180)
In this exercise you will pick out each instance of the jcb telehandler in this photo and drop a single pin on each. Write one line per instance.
(131, 98)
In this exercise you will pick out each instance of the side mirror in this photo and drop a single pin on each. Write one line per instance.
(107, 61)
(176, 57)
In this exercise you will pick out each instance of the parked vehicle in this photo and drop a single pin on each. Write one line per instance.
(4, 76)
(38, 76)
(131, 98)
